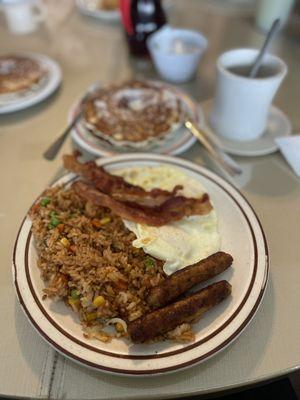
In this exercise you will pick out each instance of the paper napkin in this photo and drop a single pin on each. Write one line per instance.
(290, 148)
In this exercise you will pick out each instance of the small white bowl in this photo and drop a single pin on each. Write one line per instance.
(176, 52)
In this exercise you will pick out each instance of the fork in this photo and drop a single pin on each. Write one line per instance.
(54, 148)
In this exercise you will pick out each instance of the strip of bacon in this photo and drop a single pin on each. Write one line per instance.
(173, 209)
(116, 186)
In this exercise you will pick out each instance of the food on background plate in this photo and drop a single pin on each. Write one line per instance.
(134, 113)
(108, 5)
(19, 74)
(90, 259)
(101, 5)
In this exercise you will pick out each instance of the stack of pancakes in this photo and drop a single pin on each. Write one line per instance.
(133, 114)
(19, 74)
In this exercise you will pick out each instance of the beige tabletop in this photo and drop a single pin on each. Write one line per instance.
(89, 50)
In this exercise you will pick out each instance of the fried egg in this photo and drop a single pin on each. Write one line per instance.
(180, 243)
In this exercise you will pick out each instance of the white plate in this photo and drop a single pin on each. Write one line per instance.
(278, 125)
(242, 236)
(52, 82)
(104, 15)
(180, 141)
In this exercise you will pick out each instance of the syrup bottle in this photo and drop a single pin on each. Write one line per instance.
(140, 19)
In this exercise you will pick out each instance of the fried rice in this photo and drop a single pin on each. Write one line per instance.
(86, 259)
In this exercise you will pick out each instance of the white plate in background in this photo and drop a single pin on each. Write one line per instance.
(172, 144)
(88, 7)
(52, 82)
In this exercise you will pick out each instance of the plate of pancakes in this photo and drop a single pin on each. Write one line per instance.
(135, 116)
(26, 79)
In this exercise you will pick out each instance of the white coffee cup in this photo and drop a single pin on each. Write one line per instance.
(23, 16)
(269, 10)
(241, 104)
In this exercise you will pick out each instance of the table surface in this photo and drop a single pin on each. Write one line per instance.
(89, 50)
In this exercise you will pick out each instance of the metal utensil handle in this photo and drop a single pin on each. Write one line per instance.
(221, 158)
(258, 61)
(52, 151)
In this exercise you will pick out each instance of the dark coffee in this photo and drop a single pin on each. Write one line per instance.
(265, 71)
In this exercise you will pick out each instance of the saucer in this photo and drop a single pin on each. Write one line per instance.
(278, 125)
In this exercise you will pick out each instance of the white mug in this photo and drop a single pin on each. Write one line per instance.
(241, 104)
(23, 16)
(269, 10)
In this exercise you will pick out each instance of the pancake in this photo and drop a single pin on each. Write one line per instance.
(18, 74)
(134, 113)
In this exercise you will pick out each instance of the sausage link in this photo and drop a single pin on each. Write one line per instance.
(184, 279)
(165, 319)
